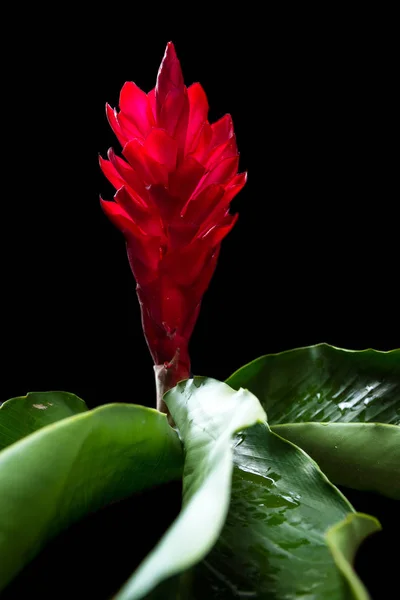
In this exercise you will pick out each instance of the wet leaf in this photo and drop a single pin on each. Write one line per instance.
(207, 414)
(326, 400)
(272, 544)
(325, 384)
(363, 456)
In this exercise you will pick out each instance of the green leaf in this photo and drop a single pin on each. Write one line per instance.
(207, 414)
(60, 473)
(21, 416)
(273, 544)
(325, 384)
(343, 540)
(363, 456)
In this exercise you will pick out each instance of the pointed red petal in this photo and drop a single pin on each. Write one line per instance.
(169, 76)
(134, 105)
(202, 146)
(129, 176)
(148, 222)
(222, 130)
(120, 218)
(111, 173)
(219, 209)
(128, 128)
(215, 234)
(234, 187)
(198, 208)
(115, 126)
(173, 109)
(142, 249)
(225, 150)
(197, 114)
(146, 167)
(162, 147)
(221, 173)
(181, 127)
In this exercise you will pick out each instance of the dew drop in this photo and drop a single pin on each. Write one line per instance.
(239, 440)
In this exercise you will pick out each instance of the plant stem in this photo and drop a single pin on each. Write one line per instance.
(162, 375)
(167, 376)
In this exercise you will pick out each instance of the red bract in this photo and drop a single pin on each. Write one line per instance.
(172, 202)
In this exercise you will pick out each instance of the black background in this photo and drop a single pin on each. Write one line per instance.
(314, 255)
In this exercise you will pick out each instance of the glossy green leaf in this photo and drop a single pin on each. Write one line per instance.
(363, 456)
(273, 544)
(343, 540)
(325, 384)
(21, 416)
(60, 473)
(207, 413)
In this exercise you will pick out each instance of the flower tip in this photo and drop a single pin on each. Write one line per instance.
(171, 64)
(170, 49)
(169, 77)
(170, 57)
(111, 154)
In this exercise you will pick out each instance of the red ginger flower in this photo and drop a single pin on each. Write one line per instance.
(172, 202)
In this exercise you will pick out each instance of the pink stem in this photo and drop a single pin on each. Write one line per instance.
(167, 376)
